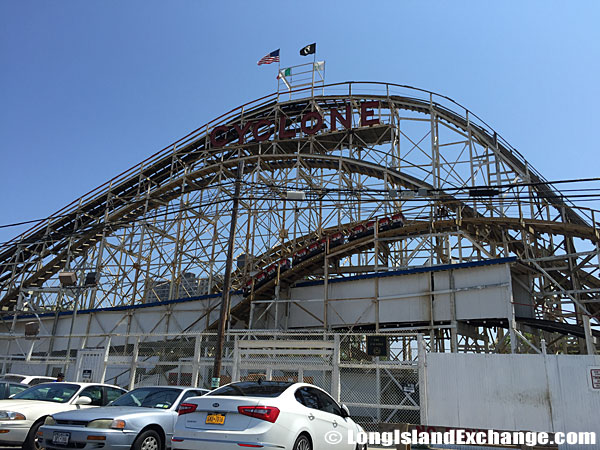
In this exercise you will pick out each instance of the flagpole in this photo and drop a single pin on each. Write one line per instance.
(313, 72)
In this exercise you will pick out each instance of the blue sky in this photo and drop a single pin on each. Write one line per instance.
(90, 88)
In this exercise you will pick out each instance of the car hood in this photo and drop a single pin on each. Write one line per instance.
(108, 412)
(33, 408)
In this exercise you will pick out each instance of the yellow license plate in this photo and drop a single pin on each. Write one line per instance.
(215, 419)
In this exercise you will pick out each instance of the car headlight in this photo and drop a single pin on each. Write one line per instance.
(49, 421)
(107, 423)
(11, 415)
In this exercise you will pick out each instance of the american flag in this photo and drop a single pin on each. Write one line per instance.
(270, 58)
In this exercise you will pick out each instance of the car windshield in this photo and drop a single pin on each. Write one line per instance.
(15, 378)
(253, 389)
(49, 392)
(149, 397)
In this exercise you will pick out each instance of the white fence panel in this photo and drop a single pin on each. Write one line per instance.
(512, 392)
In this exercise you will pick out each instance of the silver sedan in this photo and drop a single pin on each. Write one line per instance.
(142, 419)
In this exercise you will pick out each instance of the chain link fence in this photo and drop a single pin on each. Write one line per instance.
(375, 375)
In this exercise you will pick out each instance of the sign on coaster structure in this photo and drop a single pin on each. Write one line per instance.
(310, 124)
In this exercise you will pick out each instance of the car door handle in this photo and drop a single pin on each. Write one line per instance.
(335, 424)
(311, 417)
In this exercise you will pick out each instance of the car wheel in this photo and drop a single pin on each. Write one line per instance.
(31, 441)
(148, 440)
(302, 443)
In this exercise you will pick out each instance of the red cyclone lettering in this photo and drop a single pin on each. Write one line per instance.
(213, 138)
(283, 133)
(308, 118)
(241, 131)
(258, 125)
(336, 115)
(366, 113)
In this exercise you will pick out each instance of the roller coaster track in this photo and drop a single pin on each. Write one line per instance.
(190, 164)
(483, 228)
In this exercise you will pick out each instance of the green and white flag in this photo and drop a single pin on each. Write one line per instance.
(285, 73)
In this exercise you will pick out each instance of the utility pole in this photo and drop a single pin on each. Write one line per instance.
(226, 295)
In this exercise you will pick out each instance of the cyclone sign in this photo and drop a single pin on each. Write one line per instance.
(310, 123)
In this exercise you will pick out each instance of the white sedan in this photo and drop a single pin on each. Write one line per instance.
(267, 414)
(23, 414)
(31, 380)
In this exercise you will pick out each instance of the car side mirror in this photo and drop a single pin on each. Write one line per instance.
(83, 400)
(345, 411)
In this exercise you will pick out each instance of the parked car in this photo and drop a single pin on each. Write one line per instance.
(23, 414)
(31, 380)
(8, 388)
(142, 419)
(267, 414)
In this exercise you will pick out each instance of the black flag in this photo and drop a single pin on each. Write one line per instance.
(309, 49)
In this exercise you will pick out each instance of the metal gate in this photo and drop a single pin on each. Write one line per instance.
(309, 361)
(90, 366)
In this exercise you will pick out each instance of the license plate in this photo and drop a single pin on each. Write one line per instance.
(215, 419)
(61, 438)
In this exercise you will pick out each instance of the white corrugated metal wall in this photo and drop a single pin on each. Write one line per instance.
(512, 392)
